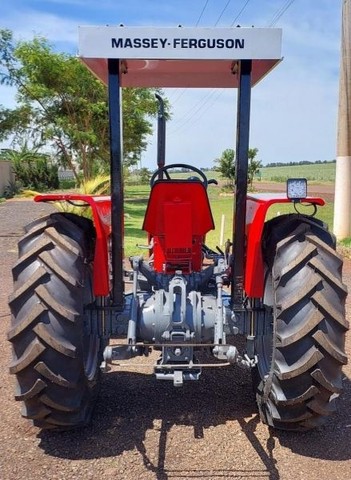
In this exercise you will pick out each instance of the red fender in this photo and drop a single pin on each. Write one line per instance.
(101, 209)
(256, 211)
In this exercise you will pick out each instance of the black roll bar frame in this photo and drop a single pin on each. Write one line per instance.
(241, 172)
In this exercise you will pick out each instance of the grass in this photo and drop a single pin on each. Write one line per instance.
(319, 173)
(136, 197)
(346, 242)
(220, 205)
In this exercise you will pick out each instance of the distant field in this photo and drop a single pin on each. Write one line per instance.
(324, 172)
(319, 173)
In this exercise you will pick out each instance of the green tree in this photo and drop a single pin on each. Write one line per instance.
(144, 175)
(253, 166)
(61, 104)
(225, 165)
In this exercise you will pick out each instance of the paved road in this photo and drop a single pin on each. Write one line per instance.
(149, 430)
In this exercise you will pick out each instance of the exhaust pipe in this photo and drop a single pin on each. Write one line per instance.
(161, 134)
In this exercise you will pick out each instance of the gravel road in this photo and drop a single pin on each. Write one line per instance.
(149, 430)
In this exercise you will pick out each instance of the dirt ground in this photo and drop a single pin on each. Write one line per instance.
(147, 429)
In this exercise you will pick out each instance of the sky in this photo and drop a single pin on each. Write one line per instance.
(294, 108)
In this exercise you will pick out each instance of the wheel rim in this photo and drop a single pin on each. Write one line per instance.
(91, 343)
(91, 351)
(264, 343)
(265, 353)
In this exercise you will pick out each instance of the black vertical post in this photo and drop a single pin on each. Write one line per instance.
(116, 152)
(161, 134)
(241, 173)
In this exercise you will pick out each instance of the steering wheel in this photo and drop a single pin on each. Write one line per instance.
(164, 170)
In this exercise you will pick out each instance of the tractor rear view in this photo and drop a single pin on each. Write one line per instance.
(278, 283)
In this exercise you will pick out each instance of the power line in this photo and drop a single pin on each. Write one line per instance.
(202, 12)
(280, 12)
(180, 94)
(194, 111)
(209, 96)
(215, 96)
(240, 12)
(209, 105)
(197, 23)
(221, 14)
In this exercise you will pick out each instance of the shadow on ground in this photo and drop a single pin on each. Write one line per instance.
(131, 403)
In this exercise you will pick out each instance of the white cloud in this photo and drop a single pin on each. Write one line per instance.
(56, 29)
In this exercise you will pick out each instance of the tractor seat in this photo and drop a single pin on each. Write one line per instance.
(177, 217)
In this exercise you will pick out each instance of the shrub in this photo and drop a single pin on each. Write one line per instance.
(12, 189)
(36, 172)
(67, 184)
(33, 169)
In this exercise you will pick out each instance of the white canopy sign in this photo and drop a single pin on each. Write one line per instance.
(179, 57)
(179, 43)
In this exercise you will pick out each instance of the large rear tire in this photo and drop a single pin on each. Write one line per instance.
(298, 375)
(55, 362)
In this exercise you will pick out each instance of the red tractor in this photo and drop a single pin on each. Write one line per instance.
(277, 284)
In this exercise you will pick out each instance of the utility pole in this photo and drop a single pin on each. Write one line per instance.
(342, 204)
